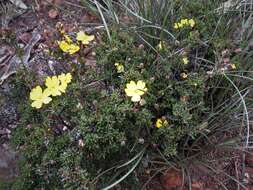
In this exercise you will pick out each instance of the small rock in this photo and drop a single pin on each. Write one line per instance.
(225, 53)
(88, 18)
(226, 60)
(8, 165)
(249, 172)
(53, 13)
(57, 2)
(141, 46)
(197, 185)
(19, 4)
(126, 19)
(249, 160)
(246, 178)
(238, 50)
(80, 143)
(21, 45)
(25, 37)
(171, 179)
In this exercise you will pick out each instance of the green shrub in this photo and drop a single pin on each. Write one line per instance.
(110, 126)
(94, 134)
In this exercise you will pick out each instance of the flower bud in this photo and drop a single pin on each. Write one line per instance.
(141, 46)
(123, 143)
(141, 140)
(141, 65)
(156, 106)
(152, 79)
(80, 143)
(142, 102)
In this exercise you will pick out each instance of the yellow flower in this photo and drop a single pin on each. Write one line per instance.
(65, 79)
(135, 90)
(53, 86)
(192, 23)
(233, 66)
(73, 48)
(64, 46)
(39, 97)
(185, 60)
(184, 21)
(176, 26)
(180, 25)
(119, 67)
(68, 47)
(161, 123)
(84, 38)
(161, 45)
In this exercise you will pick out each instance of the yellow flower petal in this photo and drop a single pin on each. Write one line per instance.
(136, 98)
(129, 92)
(185, 60)
(120, 68)
(73, 49)
(46, 100)
(80, 36)
(161, 45)
(84, 38)
(131, 85)
(56, 92)
(67, 46)
(63, 87)
(184, 21)
(180, 25)
(64, 46)
(55, 80)
(159, 123)
(65, 78)
(141, 84)
(192, 23)
(140, 92)
(37, 104)
(233, 66)
(176, 26)
(68, 77)
(62, 77)
(36, 93)
(52, 84)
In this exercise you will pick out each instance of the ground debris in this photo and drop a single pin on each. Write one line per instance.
(17, 61)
